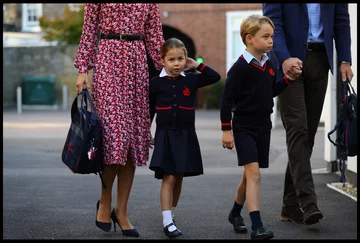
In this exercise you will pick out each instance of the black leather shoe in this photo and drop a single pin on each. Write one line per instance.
(292, 213)
(172, 234)
(238, 223)
(261, 233)
(104, 226)
(312, 214)
(129, 232)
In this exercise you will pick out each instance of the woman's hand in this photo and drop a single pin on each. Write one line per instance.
(152, 142)
(82, 83)
(191, 64)
(227, 139)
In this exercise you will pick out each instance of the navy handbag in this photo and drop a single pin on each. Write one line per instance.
(82, 151)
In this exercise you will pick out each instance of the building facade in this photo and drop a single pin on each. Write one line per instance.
(21, 25)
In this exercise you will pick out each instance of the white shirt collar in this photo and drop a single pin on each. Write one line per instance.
(249, 57)
(163, 73)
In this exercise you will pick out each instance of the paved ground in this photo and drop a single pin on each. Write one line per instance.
(42, 199)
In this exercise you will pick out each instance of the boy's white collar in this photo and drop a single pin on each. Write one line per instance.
(249, 57)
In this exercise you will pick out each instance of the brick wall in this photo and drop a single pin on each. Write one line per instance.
(206, 25)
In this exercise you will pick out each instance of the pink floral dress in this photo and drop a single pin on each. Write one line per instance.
(120, 82)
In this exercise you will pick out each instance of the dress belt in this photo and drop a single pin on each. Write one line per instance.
(122, 37)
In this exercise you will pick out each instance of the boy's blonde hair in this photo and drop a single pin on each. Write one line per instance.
(170, 44)
(251, 25)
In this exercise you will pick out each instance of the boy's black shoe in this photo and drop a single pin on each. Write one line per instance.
(312, 214)
(172, 234)
(292, 213)
(261, 233)
(238, 223)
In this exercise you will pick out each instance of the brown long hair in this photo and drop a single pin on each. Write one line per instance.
(170, 44)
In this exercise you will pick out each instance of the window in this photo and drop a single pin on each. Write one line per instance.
(234, 45)
(30, 17)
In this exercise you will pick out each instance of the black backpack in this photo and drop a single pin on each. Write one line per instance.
(82, 151)
(346, 127)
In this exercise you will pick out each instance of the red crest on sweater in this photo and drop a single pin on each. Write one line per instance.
(271, 71)
(186, 91)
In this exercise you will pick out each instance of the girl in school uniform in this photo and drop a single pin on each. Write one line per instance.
(177, 151)
(248, 93)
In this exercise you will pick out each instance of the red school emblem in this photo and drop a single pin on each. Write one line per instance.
(186, 91)
(271, 71)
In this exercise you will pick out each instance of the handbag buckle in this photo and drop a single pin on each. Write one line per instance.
(121, 38)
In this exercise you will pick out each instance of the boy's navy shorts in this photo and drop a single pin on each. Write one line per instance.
(252, 144)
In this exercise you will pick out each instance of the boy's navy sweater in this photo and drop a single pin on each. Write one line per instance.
(173, 98)
(248, 92)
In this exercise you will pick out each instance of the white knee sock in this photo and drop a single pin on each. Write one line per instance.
(167, 219)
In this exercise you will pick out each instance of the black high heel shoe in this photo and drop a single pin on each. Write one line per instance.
(104, 226)
(130, 232)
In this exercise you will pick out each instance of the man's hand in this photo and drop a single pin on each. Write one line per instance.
(292, 68)
(346, 72)
(82, 83)
(227, 139)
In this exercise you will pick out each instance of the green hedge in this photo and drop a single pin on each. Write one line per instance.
(214, 95)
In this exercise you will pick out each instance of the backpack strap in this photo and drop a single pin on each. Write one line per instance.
(349, 86)
(332, 131)
(340, 119)
(342, 165)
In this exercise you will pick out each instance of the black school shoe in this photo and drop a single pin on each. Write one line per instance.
(261, 233)
(238, 223)
(172, 234)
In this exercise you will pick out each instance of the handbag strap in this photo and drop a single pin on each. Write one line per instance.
(85, 95)
(350, 87)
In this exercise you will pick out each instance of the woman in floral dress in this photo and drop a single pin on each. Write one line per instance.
(120, 93)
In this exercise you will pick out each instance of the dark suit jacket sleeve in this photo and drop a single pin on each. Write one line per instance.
(342, 34)
(274, 12)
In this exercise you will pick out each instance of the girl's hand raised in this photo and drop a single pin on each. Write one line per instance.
(191, 64)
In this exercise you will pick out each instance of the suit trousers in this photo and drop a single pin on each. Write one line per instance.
(300, 108)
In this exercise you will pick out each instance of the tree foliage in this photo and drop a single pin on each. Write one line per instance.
(66, 29)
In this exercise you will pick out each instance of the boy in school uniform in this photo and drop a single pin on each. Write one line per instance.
(248, 93)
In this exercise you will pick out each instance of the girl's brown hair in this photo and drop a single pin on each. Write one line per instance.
(251, 25)
(170, 44)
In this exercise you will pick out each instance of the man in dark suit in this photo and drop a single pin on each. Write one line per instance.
(303, 40)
